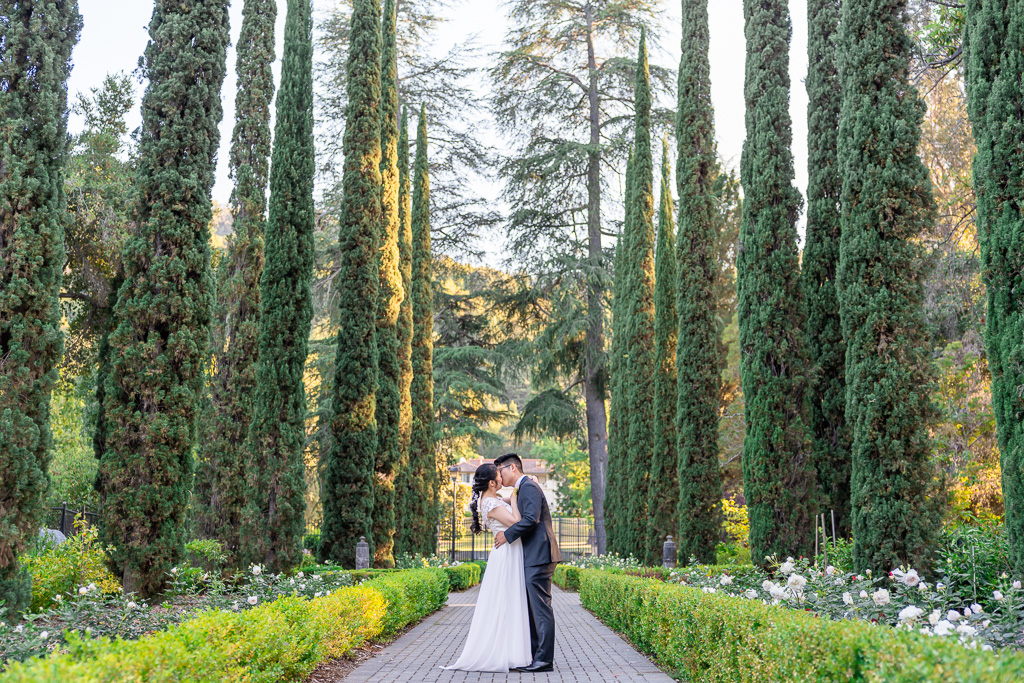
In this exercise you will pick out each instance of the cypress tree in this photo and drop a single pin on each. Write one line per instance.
(697, 354)
(826, 350)
(348, 489)
(389, 396)
(640, 319)
(994, 44)
(886, 204)
(402, 480)
(159, 346)
(663, 493)
(778, 474)
(274, 518)
(618, 418)
(421, 506)
(221, 494)
(35, 51)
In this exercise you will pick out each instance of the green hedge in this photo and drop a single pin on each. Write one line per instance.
(279, 641)
(711, 637)
(464, 576)
(567, 577)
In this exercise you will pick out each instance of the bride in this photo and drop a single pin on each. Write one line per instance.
(499, 637)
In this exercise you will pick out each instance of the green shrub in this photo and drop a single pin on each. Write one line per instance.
(62, 569)
(567, 577)
(279, 641)
(702, 636)
(206, 554)
(464, 576)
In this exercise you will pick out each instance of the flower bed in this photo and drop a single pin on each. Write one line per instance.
(281, 640)
(708, 636)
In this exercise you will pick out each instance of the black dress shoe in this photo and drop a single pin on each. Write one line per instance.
(536, 667)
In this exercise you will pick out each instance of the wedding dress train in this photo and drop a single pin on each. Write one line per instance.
(499, 637)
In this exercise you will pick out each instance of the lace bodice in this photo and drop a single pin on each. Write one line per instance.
(488, 504)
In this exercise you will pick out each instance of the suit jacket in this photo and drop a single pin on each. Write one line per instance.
(539, 544)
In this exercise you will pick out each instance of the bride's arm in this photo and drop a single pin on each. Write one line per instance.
(504, 515)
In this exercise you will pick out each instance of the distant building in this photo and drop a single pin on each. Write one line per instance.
(534, 468)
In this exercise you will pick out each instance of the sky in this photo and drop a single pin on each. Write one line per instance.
(114, 36)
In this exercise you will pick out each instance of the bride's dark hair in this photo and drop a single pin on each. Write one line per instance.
(482, 479)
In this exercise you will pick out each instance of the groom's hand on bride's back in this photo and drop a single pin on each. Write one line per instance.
(499, 539)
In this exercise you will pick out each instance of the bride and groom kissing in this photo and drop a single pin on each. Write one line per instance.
(513, 625)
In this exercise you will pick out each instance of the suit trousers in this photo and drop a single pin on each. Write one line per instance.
(542, 617)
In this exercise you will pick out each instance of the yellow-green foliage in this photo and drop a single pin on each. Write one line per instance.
(280, 641)
(737, 524)
(464, 576)
(79, 561)
(710, 637)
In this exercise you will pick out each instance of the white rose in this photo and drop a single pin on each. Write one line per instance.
(726, 580)
(767, 585)
(709, 589)
(910, 578)
(132, 605)
(83, 590)
(300, 575)
(777, 592)
(910, 613)
(256, 570)
(881, 597)
(751, 593)
(44, 635)
(923, 587)
(966, 629)
(174, 570)
(997, 595)
(235, 605)
(943, 628)
(847, 598)
(830, 570)
(940, 586)
(252, 599)
(796, 582)
(58, 597)
(291, 581)
(839, 581)
(1016, 584)
(953, 615)
(976, 608)
(92, 586)
(863, 594)
(787, 568)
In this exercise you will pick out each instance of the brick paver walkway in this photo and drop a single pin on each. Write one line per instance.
(585, 650)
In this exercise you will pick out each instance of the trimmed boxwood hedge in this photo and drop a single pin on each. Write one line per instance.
(279, 641)
(464, 576)
(711, 637)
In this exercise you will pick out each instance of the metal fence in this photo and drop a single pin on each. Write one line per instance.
(63, 518)
(575, 537)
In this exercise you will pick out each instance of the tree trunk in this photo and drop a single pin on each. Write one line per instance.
(597, 419)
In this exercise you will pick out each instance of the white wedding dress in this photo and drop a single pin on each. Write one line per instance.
(499, 637)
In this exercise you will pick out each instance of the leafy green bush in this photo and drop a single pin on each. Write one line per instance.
(206, 554)
(567, 577)
(464, 576)
(76, 564)
(278, 641)
(704, 636)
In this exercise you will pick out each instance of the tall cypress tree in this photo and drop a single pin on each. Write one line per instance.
(35, 50)
(663, 493)
(421, 506)
(274, 517)
(618, 417)
(697, 355)
(159, 346)
(640, 318)
(402, 480)
(778, 473)
(220, 492)
(994, 44)
(348, 490)
(389, 396)
(886, 204)
(826, 350)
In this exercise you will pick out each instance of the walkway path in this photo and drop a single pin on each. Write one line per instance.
(585, 650)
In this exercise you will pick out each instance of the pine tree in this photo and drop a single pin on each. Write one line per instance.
(389, 396)
(349, 482)
(994, 44)
(778, 474)
(663, 493)
(220, 493)
(274, 517)
(35, 50)
(826, 350)
(640, 320)
(618, 416)
(421, 505)
(402, 480)
(697, 353)
(886, 204)
(159, 346)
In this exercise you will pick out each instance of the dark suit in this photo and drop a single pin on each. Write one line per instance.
(540, 555)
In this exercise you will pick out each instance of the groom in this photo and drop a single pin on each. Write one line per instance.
(540, 555)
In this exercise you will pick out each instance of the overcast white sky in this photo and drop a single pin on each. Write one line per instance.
(114, 36)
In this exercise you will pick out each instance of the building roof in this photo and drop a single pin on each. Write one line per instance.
(530, 465)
